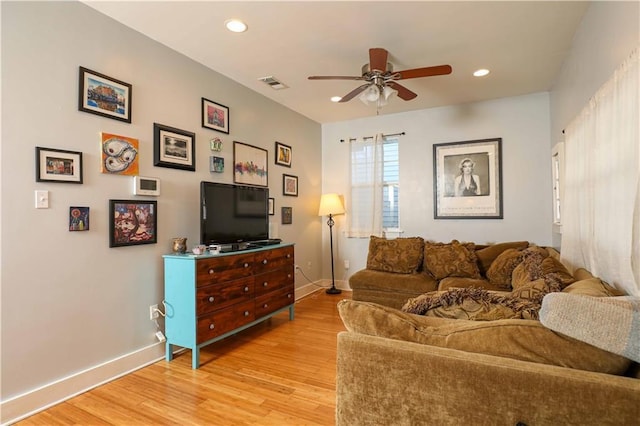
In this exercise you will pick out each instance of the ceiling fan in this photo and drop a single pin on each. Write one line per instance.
(381, 79)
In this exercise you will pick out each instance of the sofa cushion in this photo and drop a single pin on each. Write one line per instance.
(525, 340)
(399, 255)
(472, 304)
(499, 273)
(594, 287)
(488, 254)
(452, 259)
(457, 282)
(535, 265)
(609, 323)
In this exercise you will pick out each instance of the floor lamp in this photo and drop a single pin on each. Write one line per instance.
(331, 205)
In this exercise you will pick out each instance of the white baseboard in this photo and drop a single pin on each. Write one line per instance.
(29, 403)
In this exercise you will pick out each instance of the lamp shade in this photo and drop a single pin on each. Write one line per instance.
(330, 204)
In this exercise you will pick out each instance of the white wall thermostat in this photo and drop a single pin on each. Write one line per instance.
(146, 186)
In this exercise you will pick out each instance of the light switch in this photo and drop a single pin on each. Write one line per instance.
(42, 199)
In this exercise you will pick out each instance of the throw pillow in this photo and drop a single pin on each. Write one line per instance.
(400, 255)
(499, 273)
(535, 266)
(593, 287)
(525, 340)
(472, 304)
(454, 259)
(487, 255)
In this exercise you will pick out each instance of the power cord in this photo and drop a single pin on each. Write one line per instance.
(298, 268)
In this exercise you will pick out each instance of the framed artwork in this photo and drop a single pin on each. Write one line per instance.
(132, 222)
(78, 218)
(287, 215)
(216, 164)
(57, 165)
(468, 179)
(290, 185)
(119, 155)
(249, 164)
(174, 148)
(215, 116)
(272, 206)
(103, 95)
(283, 154)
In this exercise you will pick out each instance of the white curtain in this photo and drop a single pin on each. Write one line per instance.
(364, 204)
(601, 215)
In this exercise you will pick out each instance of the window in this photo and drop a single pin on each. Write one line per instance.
(373, 202)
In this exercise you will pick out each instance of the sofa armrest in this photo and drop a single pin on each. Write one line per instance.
(384, 381)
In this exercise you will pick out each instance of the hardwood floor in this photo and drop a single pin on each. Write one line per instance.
(279, 372)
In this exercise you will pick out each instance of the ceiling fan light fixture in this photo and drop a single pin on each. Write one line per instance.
(370, 94)
(235, 25)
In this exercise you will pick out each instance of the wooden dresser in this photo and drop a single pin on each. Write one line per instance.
(210, 297)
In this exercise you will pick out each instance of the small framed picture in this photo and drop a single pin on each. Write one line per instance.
(290, 185)
(78, 218)
(216, 164)
(57, 165)
(132, 222)
(215, 116)
(105, 96)
(287, 215)
(272, 206)
(174, 148)
(283, 154)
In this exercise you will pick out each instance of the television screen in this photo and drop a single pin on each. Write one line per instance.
(233, 214)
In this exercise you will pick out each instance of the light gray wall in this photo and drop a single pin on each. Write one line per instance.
(522, 123)
(69, 302)
(606, 36)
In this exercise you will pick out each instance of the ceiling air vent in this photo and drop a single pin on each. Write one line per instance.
(273, 82)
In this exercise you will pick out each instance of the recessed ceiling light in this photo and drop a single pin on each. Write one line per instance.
(235, 25)
(336, 98)
(481, 72)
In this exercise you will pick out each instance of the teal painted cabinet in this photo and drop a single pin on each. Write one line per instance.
(210, 297)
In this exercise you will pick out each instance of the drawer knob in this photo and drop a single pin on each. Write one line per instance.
(265, 305)
(264, 284)
(246, 313)
(211, 326)
(211, 299)
(211, 271)
(264, 262)
(288, 275)
(246, 265)
(246, 288)
(288, 295)
(288, 256)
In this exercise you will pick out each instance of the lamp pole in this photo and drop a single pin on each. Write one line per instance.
(332, 289)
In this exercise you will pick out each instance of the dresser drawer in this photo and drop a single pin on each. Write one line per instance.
(274, 301)
(274, 280)
(218, 296)
(224, 320)
(225, 268)
(273, 259)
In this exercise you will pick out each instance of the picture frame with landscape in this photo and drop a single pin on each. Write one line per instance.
(103, 95)
(174, 148)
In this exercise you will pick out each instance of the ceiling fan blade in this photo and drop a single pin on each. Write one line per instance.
(378, 59)
(424, 72)
(355, 92)
(403, 92)
(334, 77)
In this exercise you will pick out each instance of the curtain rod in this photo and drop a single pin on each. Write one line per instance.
(371, 137)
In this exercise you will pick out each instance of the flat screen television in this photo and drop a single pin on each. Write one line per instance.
(233, 214)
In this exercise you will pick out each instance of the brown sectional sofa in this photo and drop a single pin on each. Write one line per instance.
(396, 367)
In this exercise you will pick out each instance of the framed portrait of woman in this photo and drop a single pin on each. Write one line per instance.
(468, 179)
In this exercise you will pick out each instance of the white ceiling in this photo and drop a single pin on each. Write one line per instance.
(523, 43)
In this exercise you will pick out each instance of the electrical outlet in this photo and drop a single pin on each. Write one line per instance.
(296, 268)
(153, 312)
(309, 265)
(346, 264)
